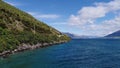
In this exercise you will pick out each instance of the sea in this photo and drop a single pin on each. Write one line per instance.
(77, 53)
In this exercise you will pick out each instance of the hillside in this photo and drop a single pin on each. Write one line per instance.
(18, 27)
(115, 34)
(74, 36)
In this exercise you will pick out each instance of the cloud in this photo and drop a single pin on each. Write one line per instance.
(86, 18)
(106, 27)
(52, 16)
(44, 16)
(59, 23)
(13, 3)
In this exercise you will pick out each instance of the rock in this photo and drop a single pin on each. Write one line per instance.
(24, 47)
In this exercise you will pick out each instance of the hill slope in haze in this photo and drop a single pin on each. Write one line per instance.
(17, 27)
(115, 34)
(74, 36)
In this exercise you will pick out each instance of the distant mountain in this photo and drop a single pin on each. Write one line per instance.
(72, 35)
(115, 34)
(75, 36)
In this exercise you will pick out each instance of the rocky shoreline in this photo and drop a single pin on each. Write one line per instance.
(24, 47)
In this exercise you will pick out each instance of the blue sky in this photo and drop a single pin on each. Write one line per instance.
(82, 17)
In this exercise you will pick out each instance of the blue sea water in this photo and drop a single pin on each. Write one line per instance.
(80, 53)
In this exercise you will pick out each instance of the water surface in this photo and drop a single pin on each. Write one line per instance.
(81, 53)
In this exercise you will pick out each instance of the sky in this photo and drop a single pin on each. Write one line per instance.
(81, 17)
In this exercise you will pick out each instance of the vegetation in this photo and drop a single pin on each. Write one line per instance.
(17, 27)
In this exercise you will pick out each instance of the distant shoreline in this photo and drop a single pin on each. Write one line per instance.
(25, 47)
(100, 38)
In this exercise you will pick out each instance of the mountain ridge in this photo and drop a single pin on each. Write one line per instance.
(75, 36)
(114, 34)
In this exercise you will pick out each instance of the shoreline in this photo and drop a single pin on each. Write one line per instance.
(24, 47)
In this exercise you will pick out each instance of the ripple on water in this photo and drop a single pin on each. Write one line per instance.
(96, 53)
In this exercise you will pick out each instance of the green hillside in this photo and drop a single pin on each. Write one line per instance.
(17, 27)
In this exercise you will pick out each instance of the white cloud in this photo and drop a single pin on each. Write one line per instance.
(106, 27)
(59, 23)
(13, 3)
(51, 16)
(44, 16)
(86, 17)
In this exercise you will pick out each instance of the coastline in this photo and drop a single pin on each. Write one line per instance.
(24, 47)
